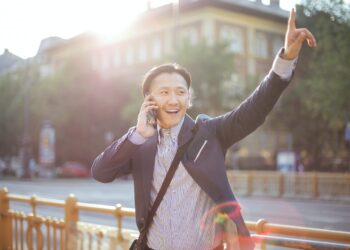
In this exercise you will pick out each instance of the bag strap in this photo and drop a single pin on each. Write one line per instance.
(170, 174)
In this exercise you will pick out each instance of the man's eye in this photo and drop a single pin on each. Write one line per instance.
(164, 92)
(181, 92)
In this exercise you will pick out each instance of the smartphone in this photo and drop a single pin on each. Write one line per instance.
(152, 117)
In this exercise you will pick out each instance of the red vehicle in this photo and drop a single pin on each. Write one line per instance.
(73, 169)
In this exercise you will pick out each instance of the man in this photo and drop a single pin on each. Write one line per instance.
(200, 183)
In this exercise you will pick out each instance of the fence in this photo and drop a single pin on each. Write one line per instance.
(33, 231)
(303, 185)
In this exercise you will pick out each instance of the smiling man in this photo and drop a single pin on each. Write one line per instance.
(199, 191)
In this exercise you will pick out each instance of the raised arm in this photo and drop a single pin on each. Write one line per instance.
(251, 113)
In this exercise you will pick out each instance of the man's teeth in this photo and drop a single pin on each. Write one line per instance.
(172, 111)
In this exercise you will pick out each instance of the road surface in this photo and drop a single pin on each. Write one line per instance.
(326, 214)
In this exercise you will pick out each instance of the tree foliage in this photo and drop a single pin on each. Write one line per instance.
(318, 105)
(210, 66)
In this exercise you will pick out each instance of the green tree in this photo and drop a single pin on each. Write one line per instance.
(318, 104)
(11, 114)
(210, 66)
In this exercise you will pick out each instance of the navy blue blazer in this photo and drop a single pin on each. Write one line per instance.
(123, 157)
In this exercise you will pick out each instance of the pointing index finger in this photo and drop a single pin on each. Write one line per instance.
(291, 20)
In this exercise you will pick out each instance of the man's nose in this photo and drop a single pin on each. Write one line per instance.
(173, 98)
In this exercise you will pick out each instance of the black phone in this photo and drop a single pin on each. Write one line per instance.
(152, 117)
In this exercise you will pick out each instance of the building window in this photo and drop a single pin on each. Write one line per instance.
(261, 45)
(156, 48)
(129, 55)
(234, 36)
(142, 52)
(189, 34)
(45, 70)
(277, 44)
(234, 87)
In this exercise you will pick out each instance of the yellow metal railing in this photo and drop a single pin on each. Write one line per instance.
(306, 184)
(17, 229)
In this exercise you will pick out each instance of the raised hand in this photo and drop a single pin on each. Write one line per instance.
(295, 37)
(145, 121)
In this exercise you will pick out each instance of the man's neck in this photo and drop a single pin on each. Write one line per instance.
(174, 130)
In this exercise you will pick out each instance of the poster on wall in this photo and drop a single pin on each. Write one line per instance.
(47, 145)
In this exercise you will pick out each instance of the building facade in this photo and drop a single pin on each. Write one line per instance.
(253, 30)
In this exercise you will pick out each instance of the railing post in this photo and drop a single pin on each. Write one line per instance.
(71, 219)
(33, 204)
(250, 184)
(118, 214)
(5, 221)
(260, 231)
(281, 185)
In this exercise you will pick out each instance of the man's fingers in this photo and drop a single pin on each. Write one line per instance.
(148, 97)
(147, 103)
(301, 37)
(309, 37)
(295, 47)
(291, 20)
(151, 107)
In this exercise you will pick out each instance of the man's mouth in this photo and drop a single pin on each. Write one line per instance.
(172, 111)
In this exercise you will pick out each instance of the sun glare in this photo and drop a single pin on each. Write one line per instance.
(23, 24)
(110, 18)
(39, 19)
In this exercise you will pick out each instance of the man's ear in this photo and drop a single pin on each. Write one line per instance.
(190, 98)
(189, 103)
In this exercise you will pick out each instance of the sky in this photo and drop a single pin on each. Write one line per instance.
(24, 23)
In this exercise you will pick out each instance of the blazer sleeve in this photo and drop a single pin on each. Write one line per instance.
(251, 113)
(115, 160)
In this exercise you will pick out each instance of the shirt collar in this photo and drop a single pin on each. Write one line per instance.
(174, 131)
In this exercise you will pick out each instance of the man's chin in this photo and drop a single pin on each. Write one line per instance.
(169, 123)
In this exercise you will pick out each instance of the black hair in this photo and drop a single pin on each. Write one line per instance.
(164, 68)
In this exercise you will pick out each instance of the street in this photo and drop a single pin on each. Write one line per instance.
(325, 214)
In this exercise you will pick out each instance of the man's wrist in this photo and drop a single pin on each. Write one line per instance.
(283, 67)
(286, 56)
(136, 138)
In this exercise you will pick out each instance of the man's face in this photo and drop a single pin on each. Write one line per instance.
(170, 92)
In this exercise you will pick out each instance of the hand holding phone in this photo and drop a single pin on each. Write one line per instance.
(147, 118)
(152, 118)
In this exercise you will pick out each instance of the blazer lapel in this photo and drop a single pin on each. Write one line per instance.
(186, 131)
(148, 157)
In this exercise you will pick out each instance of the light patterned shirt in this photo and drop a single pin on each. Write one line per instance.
(177, 222)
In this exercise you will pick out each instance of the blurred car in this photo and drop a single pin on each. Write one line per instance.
(73, 169)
